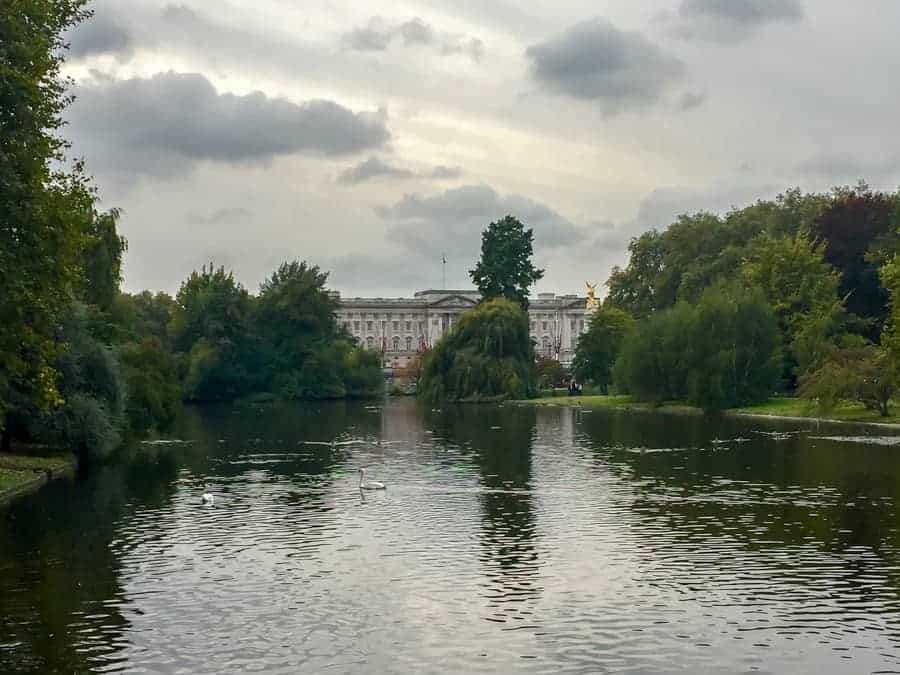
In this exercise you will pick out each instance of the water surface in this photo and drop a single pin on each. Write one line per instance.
(509, 539)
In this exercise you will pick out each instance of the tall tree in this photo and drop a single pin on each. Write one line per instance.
(853, 223)
(505, 269)
(599, 346)
(43, 212)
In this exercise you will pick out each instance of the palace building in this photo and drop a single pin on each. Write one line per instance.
(403, 327)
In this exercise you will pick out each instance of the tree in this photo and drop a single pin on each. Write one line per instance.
(860, 374)
(43, 212)
(802, 289)
(505, 269)
(550, 373)
(720, 353)
(488, 355)
(855, 221)
(599, 346)
(101, 261)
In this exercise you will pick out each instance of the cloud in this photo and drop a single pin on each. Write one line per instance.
(843, 167)
(378, 35)
(730, 20)
(165, 124)
(101, 34)
(455, 219)
(231, 216)
(374, 169)
(370, 169)
(595, 61)
(690, 100)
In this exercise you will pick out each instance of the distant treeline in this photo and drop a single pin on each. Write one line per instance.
(788, 295)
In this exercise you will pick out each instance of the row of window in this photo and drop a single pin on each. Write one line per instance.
(394, 344)
(574, 325)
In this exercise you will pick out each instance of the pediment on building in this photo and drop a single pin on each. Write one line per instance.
(454, 302)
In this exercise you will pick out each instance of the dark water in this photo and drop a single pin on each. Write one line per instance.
(509, 540)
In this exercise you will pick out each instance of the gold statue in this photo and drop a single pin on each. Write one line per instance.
(592, 303)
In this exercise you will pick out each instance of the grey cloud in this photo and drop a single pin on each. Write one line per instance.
(455, 219)
(374, 168)
(690, 100)
(843, 167)
(378, 35)
(370, 169)
(730, 20)
(596, 61)
(165, 124)
(229, 216)
(101, 34)
(445, 172)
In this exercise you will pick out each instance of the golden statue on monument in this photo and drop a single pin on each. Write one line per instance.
(592, 303)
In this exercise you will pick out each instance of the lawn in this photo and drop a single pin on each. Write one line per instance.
(19, 471)
(775, 407)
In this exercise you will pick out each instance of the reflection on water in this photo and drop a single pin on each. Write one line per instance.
(509, 538)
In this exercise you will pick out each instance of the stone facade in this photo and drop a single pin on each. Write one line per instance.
(403, 327)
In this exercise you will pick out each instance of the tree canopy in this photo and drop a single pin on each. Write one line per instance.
(487, 355)
(505, 269)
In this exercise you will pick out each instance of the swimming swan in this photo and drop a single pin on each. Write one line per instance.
(207, 498)
(369, 484)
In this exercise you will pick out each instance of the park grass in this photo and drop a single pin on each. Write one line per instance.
(20, 473)
(775, 407)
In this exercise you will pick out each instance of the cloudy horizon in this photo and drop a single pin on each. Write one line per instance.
(373, 140)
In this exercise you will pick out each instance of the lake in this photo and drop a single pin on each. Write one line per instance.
(509, 539)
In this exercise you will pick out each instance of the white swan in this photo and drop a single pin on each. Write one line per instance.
(369, 484)
(207, 498)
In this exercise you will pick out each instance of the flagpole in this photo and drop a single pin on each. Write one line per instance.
(444, 271)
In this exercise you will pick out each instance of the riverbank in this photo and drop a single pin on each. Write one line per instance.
(20, 473)
(782, 408)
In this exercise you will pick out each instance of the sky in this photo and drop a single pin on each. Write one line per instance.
(372, 138)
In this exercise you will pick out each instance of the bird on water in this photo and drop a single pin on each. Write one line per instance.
(369, 484)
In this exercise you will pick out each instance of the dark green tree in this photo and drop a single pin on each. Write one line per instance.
(505, 269)
(488, 355)
(43, 212)
(598, 347)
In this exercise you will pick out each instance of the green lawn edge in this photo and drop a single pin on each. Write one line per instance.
(780, 407)
(24, 473)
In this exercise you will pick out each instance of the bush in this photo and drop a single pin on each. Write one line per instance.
(488, 355)
(860, 374)
(151, 377)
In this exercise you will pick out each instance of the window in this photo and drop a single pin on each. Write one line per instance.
(434, 323)
(356, 326)
(545, 344)
(408, 342)
(369, 326)
(533, 325)
(370, 342)
(375, 316)
(409, 325)
(396, 343)
(396, 325)
(544, 326)
(581, 325)
(574, 324)
(383, 326)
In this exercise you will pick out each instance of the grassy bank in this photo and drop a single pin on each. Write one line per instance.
(774, 407)
(21, 473)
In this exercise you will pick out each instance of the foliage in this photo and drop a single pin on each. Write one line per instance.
(488, 355)
(599, 346)
(44, 212)
(151, 378)
(101, 261)
(551, 373)
(802, 289)
(717, 354)
(858, 374)
(851, 225)
(505, 269)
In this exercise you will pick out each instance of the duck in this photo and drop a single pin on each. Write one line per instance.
(207, 498)
(369, 484)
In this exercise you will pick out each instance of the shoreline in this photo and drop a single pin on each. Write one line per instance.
(786, 409)
(22, 474)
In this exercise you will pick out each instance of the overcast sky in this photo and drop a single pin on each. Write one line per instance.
(370, 138)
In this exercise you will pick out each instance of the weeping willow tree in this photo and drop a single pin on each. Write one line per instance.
(487, 356)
